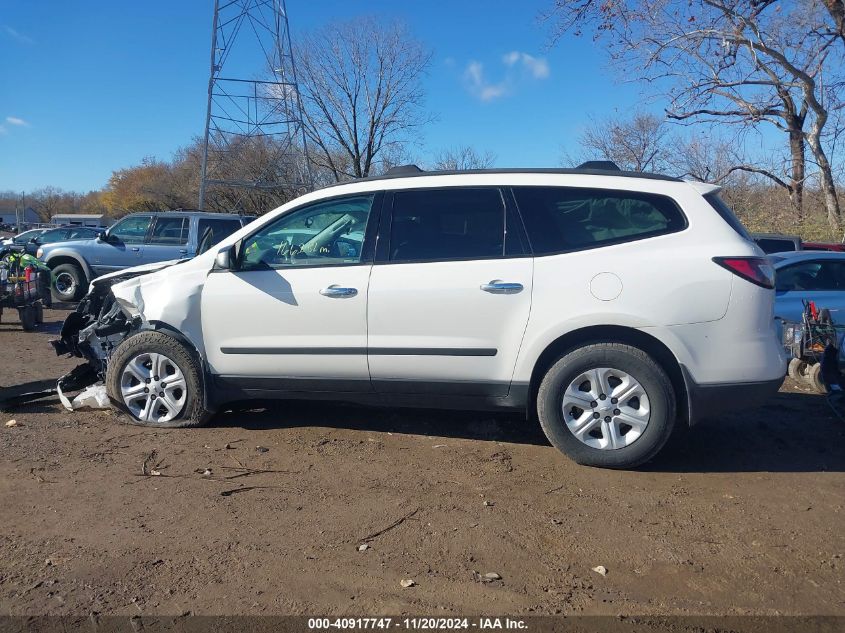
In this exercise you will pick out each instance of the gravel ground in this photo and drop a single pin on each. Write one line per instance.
(264, 510)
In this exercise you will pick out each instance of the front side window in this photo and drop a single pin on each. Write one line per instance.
(325, 234)
(170, 230)
(131, 230)
(561, 219)
(811, 276)
(447, 224)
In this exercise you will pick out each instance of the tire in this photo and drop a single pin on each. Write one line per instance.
(39, 313)
(814, 377)
(182, 404)
(797, 369)
(69, 283)
(27, 317)
(607, 444)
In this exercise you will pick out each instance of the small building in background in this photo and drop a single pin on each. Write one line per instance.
(81, 219)
(26, 217)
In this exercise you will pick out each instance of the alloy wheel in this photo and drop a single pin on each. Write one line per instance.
(65, 284)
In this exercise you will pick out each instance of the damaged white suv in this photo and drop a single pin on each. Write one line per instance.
(615, 305)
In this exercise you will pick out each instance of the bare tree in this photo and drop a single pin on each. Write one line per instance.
(463, 157)
(362, 95)
(640, 143)
(731, 61)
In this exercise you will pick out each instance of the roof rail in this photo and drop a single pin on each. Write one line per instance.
(604, 165)
(403, 170)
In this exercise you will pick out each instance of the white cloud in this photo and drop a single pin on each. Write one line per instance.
(13, 120)
(518, 65)
(478, 85)
(538, 67)
(17, 35)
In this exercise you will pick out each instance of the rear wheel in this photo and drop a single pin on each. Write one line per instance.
(69, 283)
(157, 381)
(27, 317)
(608, 405)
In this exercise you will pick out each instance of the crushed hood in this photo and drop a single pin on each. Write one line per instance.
(135, 271)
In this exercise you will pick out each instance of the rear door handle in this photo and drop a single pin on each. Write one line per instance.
(500, 287)
(337, 291)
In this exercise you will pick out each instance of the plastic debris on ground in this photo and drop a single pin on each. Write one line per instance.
(94, 396)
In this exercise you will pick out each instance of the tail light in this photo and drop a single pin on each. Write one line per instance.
(757, 270)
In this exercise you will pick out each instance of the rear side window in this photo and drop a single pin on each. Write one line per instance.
(220, 229)
(447, 224)
(728, 215)
(170, 230)
(560, 219)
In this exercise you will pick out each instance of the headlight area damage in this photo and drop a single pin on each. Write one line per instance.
(98, 325)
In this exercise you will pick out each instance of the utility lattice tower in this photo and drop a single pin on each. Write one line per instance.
(254, 137)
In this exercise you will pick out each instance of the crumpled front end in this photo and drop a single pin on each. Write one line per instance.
(97, 326)
(122, 303)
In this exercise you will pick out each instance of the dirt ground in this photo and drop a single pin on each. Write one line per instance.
(745, 517)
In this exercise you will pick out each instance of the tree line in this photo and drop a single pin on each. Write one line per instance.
(744, 93)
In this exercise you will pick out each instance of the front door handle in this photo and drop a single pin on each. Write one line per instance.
(135, 249)
(499, 287)
(337, 291)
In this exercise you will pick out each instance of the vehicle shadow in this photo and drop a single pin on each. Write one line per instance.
(794, 433)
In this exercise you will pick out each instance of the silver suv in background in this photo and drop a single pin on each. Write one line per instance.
(136, 239)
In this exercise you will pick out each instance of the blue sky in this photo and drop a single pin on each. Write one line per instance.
(90, 87)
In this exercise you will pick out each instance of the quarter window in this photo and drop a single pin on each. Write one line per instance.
(447, 224)
(326, 234)
(561, 219)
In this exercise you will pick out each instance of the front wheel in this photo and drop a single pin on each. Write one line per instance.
(157, 381)
(608, 405)
(69, 283)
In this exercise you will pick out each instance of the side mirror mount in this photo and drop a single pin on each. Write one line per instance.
(102, 236)
(226, 258)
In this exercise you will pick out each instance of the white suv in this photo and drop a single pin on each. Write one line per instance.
(615, 305)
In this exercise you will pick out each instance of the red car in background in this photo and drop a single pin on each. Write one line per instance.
(822, 246)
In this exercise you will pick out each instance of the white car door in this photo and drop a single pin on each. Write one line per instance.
(450, 293)
(291, 316)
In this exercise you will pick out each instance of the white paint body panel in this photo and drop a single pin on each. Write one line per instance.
(442, 305)
(284, 309)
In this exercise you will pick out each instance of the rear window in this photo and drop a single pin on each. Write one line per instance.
(561, 219)
(728, 215)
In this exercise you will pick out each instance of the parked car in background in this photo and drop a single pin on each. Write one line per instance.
(616, 306)
(60, 234)
(809, 276)
(138, 238)
(777, 243)
(823, 246)
(21, 239)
